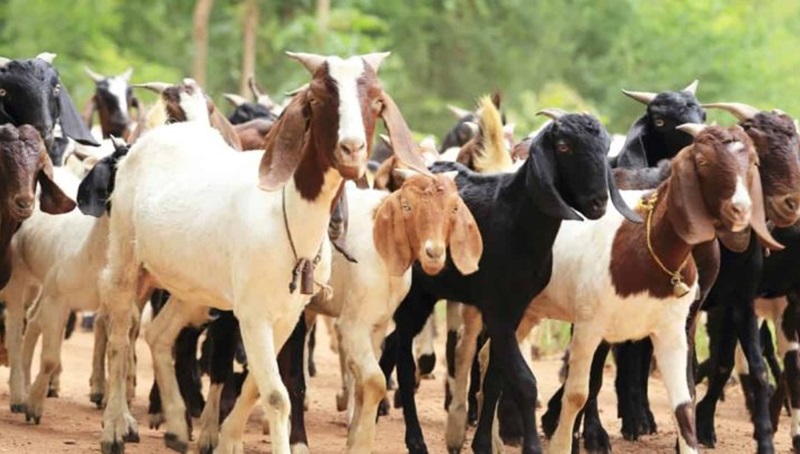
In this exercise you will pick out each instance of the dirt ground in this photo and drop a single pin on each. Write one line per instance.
(71, 424)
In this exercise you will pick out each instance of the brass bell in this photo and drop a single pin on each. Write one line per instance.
(679, 288)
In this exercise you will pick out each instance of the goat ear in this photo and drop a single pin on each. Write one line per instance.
(619, 203)
(403, 144)
(221, 124)
(466, 244)
(383, 176)
(390, 236)
(94, 190)
(284, 144)
(541, 184)
(688, 212)
(52, 199)
(71, 123)
(758, 218)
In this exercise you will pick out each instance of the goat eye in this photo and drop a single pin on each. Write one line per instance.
(56, 89)
(563, 147)
(659, 122)
(2, 92)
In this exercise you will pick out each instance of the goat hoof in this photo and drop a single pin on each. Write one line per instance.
(30, 416)
(299, 448)
(341, 401)
(97, 399)
(174, 443)
(132, 436)
(52, 392)
(426, 363)
(416, 447)
(549, 423)
(112, 447)
(383, 407)
(312, 369)
(596, 441)
(706, 435)
(472, 416)
(796, 443)
(18, 408)
(156, 419)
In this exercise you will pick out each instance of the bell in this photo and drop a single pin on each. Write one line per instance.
(679, 288)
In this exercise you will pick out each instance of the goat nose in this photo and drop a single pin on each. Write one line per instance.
(23, 202)
(352, 146)
(600, 202)
(433, 251)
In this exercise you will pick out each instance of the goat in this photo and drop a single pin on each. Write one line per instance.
(112, 99)
(706, 193)
(653, 136)
(245, 111)
(31, 93)
(321, 138)
(23, 162)
(742, 262)
(566, 168)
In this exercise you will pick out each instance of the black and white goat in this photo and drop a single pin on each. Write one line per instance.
(112, 100)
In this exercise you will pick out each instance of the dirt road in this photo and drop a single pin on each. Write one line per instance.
(71, 424)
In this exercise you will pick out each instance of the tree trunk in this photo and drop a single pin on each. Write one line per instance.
(323, 11)
(202, 11)
(249, 32)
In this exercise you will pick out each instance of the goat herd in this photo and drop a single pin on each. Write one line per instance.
(251, 245)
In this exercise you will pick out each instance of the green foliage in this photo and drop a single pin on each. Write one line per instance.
(573, 54)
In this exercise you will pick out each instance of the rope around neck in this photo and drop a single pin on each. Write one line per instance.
(678, 286)
(304, 268)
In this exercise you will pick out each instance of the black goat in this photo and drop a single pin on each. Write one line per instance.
(518, 215)
(653, 136)
(31, 93)
(245, 110)
(113, 98)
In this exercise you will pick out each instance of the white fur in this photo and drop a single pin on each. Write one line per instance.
(195, 106)
(733, 147)
(188, 211)
(345, 73)
(118, 86)
(741, 197)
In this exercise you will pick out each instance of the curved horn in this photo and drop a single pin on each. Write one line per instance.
(554, 113)
(4, 61)
(644, 97)
(97, 77)
(47, 56)
(127, 74)
(311, 61)
(235, 99)
(739, 110)
(692, 87)
(157, 87)
(375, 59)
(297, 90)
(251, 82)
(691, 128)
(458, 111)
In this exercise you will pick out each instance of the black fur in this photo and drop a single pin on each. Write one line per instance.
(95, 190)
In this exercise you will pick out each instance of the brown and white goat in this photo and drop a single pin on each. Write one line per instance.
(187, 218)
(23, 163)
(642, 279)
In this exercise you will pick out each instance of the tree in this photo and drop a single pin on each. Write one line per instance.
(202, 11)
(249, 32)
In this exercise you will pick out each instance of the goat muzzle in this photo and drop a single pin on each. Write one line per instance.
(783, 210)
(351, 158)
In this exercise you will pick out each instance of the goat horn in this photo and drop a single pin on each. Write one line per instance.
(644, 97)
(127, 74)
(4, 61)
(692, 87)
(739, 110)
(375, 59)
(297, 90)
(692, 128)
(458, 111)
(265, 101)
(235, 99)
(385, 139)
(311, 61)
(95, 76)
(251, 82)
(47, 56)
(554, 113)
(157, 87)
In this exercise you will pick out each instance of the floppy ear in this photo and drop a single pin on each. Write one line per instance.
(541, 183)
(95, 189)
(284, 144)
(390, 236)
(5, 265)
(221, 124)
(633, 154)
(71, 123)
(403, 144)
(52, 199)
(688, 212)
(466, 244)
(758, 218)
(617, 200)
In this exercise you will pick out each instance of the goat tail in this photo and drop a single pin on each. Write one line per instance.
(493, 156)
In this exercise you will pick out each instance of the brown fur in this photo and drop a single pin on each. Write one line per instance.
(692, 204)
(521, 150)
(426, 208)
(252, 133)
(684, 415)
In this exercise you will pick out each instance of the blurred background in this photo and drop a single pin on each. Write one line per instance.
(574, 54)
